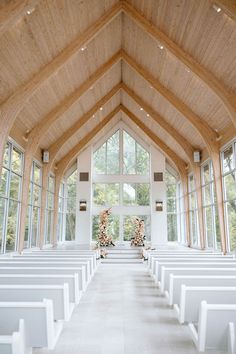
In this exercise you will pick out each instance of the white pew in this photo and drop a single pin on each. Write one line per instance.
(54, 258)
(175, 282)
(50, 279)
(192, 296)
(94, 254)
(200, 270)
(36, 263)
(211, 332)
(41, 329)
(193, 264)
(15, 341)
(231, 338)
(59, 294)
(48, 270)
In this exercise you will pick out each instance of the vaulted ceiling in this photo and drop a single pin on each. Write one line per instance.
(167, 66)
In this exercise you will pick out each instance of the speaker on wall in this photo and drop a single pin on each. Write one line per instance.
(158, 176)
(46, 156)
(84, 176)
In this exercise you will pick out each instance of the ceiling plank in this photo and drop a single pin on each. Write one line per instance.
(45, 123)
(13, 11)
(59, 143)
(180, 164)
(228, 7)
(180, 139)
(203, 74)
(63, 164)
(206, 132)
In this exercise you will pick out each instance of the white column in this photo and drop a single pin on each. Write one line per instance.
(84, 192)
(158, 193)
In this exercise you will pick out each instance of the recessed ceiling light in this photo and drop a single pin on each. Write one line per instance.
(141, 108)
(83, 48)
(151, 87)
(148, 115)
(29, 11)
(101, 108)
(91, 88)
(216, 8)
(93, 115)
(188, 70)
(160, 46)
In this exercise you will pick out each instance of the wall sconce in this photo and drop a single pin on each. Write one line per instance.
(82, 205)
(159, 205)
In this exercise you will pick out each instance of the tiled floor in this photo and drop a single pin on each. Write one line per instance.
(123, 313)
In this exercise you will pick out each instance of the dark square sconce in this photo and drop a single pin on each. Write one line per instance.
(82, 205)
(159, 205)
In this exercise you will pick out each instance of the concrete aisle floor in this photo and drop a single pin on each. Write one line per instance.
(122, 312)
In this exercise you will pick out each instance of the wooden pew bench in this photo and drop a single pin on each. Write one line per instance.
(59, 294)
(195, 280)
(211, 332)
(49, 279)
(41, 329)
(192, 296)
(47, 271)
(15, 341)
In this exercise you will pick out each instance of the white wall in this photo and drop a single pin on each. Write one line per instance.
(84, 191)
(158, 192)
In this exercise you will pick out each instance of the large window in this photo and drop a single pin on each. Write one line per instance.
(181, 218)
(171, 185)
(32, 229)
(49, 210)
(193, 213)
(211, 224)
(228, 172)
(10, 197)
(121, 181)
(61, 214)
(71, 206)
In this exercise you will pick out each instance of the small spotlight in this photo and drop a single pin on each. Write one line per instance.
(216, 8)
(141, 108)
(160, 46)
(148, 115)
(83, 49)
(101, 108)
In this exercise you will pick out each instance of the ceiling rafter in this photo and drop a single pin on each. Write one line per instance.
(200, 71)
(63, 164)
(180, 139)
(207, 133)
(15, 103)
(36, 134)
(13, 11)
(58, 144)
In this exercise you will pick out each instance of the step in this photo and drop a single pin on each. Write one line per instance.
(121, 261)
(123, 256)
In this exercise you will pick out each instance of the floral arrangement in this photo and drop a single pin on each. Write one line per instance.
(104, 239)
(103, 253)
(139, 237)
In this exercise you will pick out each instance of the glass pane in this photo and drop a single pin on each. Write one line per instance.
(217, 229)
(15, 186)
(12, 226)
(171, 205)
(142, 161)
(51, 184)
(37, 174)
(192, 200)
(16, 161)
(129, 226)
(50, 200)
(70, 205)
(6, 156)
(99, 159)
(228, 160)
(106, 194)
(70, 227)
(207, 200)
(129, 160)
(113, 160)
(35, 226)
(129, 194)
(231, 211)
(209, 227)
(61, 191)
(60, 227)
(193, 227)
(230, 187)
(143, 194)
(191, 184)
(2, 219)
(27, 229)
(172, 227)
(49, 226)
(113, 227)
(3, 182)
(37, 195)
(206, 174)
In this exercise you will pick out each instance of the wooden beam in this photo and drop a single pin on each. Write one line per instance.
(15, 103)
(180, 139)
(228, 7)
(13, 11)
(208, 134)
(202, 73)
(179, 163)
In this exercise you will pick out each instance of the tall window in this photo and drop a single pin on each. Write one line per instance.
(171, 185)
(121, 181)
(71, 206)
(193, 214)
(211, 224)
(181, 214)
(228, 172)
(49, 210)
(61, 213)
(32, 230)
(10, 197)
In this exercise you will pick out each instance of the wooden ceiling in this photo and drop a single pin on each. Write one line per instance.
(61, 61)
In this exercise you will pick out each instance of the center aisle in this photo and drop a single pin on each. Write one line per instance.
(123, 313)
